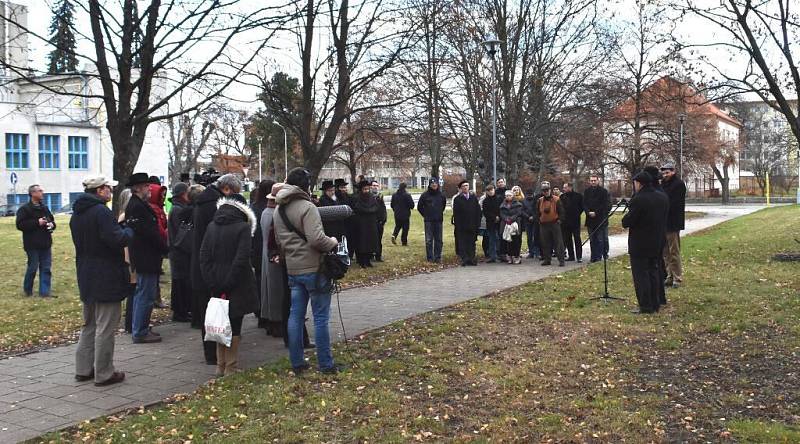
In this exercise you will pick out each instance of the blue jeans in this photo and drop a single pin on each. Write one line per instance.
(598, 241)
(38, 259)
(532, 231)
(491, 236)
(433, 240)
(143, 298)
(317, 288)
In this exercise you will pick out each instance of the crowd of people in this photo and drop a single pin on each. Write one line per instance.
(264, 256)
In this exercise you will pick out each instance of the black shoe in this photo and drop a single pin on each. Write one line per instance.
(561, 264)
(332, 370)
(570, 259)
(579, 260)
(378, 259)
(211, 361)
(84, 378)
(491, 261)
(394, 240)
(301, 369)
(116, 377)
(309, 346)
(546, 263)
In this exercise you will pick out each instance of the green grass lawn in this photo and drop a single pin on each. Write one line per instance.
(541, 363)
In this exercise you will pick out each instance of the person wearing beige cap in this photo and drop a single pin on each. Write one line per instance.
(99, 241)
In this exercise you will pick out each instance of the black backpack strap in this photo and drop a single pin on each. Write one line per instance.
(289, 225)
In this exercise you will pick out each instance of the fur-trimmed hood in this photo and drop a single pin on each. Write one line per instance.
(231, 210)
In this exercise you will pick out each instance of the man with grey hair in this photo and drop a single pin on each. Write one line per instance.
(103, 278)
(205, 206)
(37, 225)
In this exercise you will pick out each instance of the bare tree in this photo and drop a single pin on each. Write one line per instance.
(147, 54)
(764, 38)
(189, 134)
(366, 40)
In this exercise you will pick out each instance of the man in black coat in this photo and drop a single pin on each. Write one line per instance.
(431, 206)
(330, 197)
(467, 221)
(205, 206)
(646, 223)
(146, 250)
(655, 173)
(531, 223)
(491, 212)
(382, 216)
(103, 279)
(365, 221)
(402, 204)
(676, 221)
(37, 225)
(571, 225)
(180, 253)
(597, 205)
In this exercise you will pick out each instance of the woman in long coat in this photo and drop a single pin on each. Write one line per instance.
(366, 209)
(225, 263)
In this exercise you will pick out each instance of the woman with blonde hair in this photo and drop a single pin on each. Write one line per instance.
(124, 198)
(519, 196)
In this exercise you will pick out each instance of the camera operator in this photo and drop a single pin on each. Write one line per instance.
(646, 221)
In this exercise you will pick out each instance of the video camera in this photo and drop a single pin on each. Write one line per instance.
(208, 177)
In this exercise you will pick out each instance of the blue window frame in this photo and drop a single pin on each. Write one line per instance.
(52, 201)
(17, 151)
(49, 152)
(78, 153)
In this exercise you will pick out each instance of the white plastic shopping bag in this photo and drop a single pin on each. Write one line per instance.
(218, 324)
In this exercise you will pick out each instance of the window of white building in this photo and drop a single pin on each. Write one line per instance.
(49, 152)
(78, 153)
(17, 151)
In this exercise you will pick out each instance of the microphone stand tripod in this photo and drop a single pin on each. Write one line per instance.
(606, 296)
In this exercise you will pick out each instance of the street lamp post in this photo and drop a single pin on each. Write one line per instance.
(285, 149)
(681, 118)
(491, 44)
(260, 159)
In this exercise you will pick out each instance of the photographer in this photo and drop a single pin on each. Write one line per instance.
(37, 225)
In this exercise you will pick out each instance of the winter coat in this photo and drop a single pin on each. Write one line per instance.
(205, 205)
(529, 214)
(431, 205)
(596, 199)
(466, 213)
(257, 250)
(382, 213)
(491, 210)
(573, 207)
(336, 228)
(99, 257)
(676, 192)
(366, 217)
(556, 214)
(225, 256)
(158, 194)
(301, 256)
(647, 222)
(402, 204)
(274, 279)
(148, 246)
(35, 236)
(511, 213)
(179, 261)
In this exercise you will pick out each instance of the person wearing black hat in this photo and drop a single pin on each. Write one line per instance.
(402, 204)
(646, 223)
(147, 249)
(335, 228)
(654, 172)
(366, 213)
(467, 221)
(676, 221)
(375, 189)
(431, 206)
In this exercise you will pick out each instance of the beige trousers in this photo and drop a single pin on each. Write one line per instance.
(672, 257)
(96, 345)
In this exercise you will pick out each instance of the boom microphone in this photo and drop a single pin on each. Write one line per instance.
(335, 213)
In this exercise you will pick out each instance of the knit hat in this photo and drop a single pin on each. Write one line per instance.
(179, 188)
(643, 178)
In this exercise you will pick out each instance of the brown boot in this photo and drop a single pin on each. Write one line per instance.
(232, 357)
(221, 355)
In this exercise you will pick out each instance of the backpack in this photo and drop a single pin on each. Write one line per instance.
(183, 237)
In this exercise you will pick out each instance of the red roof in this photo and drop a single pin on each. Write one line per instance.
(666, 93)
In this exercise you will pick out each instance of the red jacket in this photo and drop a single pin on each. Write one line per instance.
(158, 194)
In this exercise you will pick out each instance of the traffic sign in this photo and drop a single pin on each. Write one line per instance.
(13, 178)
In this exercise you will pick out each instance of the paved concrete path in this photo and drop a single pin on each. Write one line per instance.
(38, 392)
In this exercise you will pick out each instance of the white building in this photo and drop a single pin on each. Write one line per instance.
(57, 140)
